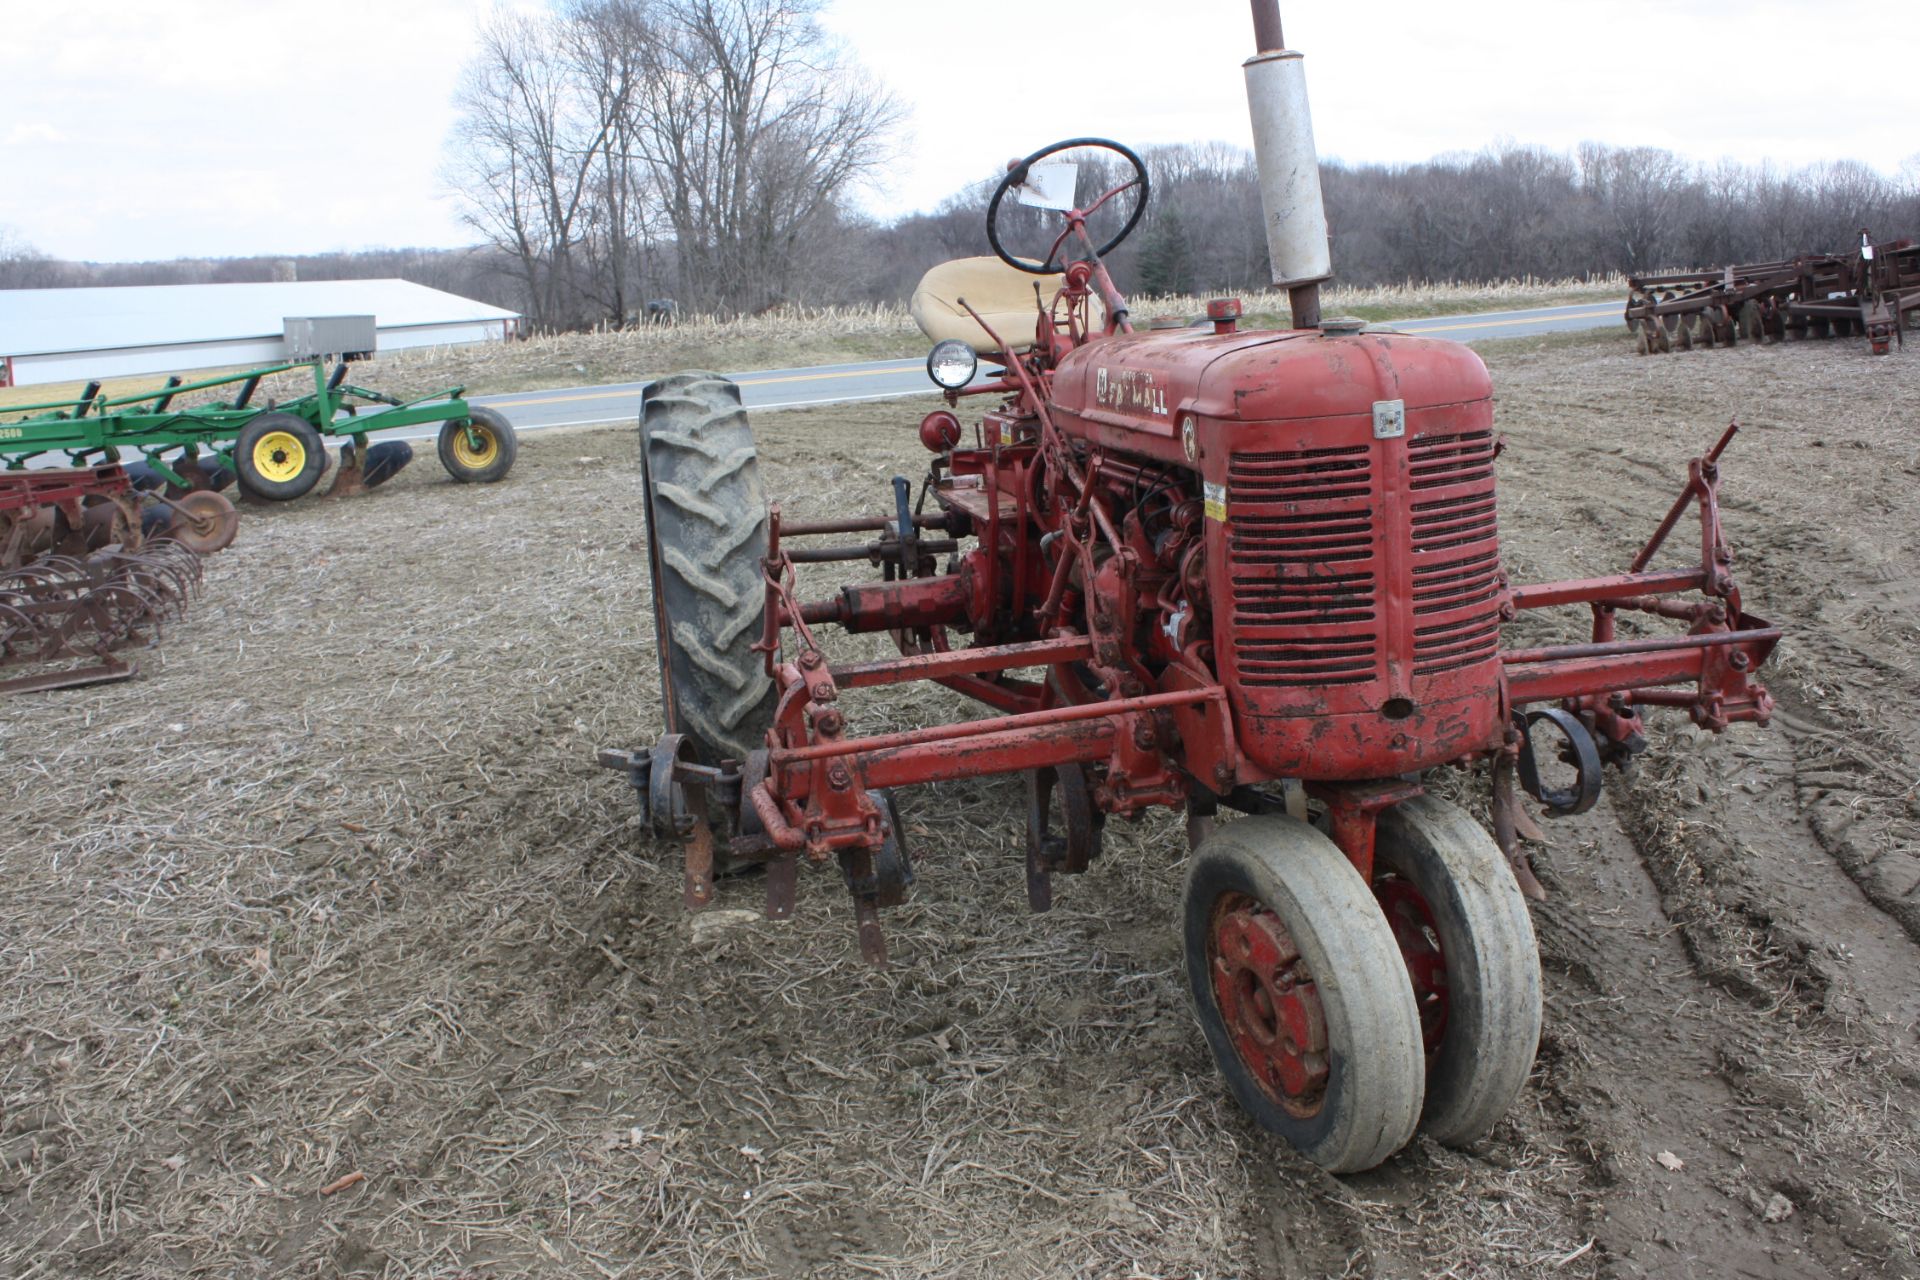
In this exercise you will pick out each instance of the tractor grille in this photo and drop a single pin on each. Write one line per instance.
(1456, 551)
(1303, 558)
(1306, 560)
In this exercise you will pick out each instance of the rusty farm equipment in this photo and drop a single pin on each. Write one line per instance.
(79, 510)
(75, 614)
(277, 450)
(1872, 292)
(1195, 569)
(79, 578)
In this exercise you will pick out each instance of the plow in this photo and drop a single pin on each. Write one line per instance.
(90, 565)
(1872, 292)
(1214, 570)
(276, 450)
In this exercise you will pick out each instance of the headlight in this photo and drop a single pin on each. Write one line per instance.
(951, 364)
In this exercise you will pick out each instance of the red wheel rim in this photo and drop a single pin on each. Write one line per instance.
(1269, 1003)
(1419, 938)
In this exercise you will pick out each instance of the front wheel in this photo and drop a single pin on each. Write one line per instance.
(1300, 990)
(481, 450)
(279, 456)
(1463, 929)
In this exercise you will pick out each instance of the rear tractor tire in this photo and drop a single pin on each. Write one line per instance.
(706, 535)
(1301, 992)
(279, 456)
(481, 450)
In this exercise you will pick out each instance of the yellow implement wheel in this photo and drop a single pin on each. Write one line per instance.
(279, 456)
(479, 450)
(475, 447)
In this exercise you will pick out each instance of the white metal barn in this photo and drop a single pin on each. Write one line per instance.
(69, 335)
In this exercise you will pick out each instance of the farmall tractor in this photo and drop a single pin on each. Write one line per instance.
(1202, 568)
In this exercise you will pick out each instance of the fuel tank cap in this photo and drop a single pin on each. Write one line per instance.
(1335, 325)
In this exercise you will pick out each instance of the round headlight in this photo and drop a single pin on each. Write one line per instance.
(951, 364)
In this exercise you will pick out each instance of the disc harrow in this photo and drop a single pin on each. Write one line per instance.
(81, 611)
(1874, 292)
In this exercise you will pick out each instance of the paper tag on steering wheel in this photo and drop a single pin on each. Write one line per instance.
(1049, 186)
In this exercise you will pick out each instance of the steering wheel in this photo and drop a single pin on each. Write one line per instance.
(1017, 176)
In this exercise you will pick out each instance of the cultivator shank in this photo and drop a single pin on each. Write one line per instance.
(65, 609)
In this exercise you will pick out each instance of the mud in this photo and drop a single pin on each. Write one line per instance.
(335, 888)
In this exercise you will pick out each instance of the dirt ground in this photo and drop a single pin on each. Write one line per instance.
(336, 889)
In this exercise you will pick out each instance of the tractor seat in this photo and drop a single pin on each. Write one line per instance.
(1003, 296)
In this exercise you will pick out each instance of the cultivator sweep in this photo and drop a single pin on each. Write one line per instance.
(1201, 569)
(81, 611)
(1873, 291)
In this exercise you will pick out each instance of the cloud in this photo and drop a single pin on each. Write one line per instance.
(29, 133)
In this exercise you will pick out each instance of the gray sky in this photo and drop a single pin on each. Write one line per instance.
(141, 129)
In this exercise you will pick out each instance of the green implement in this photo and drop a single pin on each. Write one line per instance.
(276, 449)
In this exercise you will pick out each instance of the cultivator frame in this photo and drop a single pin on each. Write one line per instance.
(1873, 291)
(177, 442)
(819, 792)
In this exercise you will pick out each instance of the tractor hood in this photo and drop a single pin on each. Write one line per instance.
(1145, 382)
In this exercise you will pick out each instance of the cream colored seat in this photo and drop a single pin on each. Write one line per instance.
(1003, 296)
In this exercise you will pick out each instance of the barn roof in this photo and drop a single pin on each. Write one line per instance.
(39, 321)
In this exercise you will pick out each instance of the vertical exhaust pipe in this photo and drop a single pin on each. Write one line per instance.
(1289, 168)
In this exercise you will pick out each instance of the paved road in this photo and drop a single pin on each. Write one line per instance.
(886, 379)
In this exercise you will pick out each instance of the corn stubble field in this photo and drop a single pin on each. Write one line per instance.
(327, 950)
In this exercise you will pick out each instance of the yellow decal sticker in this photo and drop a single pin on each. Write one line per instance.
(1216, 501)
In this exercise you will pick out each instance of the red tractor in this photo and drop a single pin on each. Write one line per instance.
(1197, 567)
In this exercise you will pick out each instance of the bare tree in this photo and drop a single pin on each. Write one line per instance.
(754, 128)
(604, 43)
(533, 140)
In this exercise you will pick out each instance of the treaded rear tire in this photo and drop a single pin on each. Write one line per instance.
(707, 534)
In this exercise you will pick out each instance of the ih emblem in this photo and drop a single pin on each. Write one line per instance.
(1187, 438)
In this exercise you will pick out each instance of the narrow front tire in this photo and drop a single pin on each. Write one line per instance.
(1467, 939)
(1300, 990)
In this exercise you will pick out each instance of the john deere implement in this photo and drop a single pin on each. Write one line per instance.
(277, 450)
